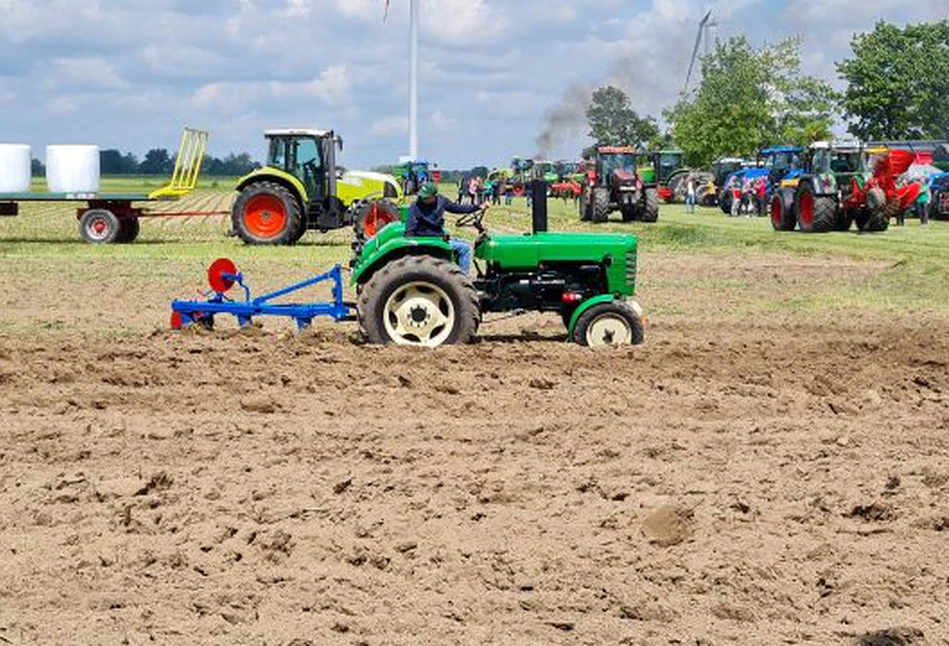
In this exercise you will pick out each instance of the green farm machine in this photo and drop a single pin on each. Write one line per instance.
(301, 188)
(411, 291)
(624, 179)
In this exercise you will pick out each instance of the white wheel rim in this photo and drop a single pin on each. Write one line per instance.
(419, 314)
(609, 329)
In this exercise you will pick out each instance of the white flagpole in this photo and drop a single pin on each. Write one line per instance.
(413, 81)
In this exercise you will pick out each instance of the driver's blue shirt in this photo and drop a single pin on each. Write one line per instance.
(428, 220)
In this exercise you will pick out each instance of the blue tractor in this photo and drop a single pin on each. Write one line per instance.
(778, 165)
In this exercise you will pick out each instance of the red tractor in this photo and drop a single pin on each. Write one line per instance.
(621, 178)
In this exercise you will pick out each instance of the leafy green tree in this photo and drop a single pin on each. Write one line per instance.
(157, 162)
(750, 99)
(614, 122)
(898, 82)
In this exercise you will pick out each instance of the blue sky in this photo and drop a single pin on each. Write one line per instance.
(130, 73)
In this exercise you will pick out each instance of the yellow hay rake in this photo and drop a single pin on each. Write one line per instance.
(184, 179)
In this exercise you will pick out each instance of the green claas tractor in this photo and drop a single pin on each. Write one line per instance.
(302, 188)
(412, 292)
(621, 178)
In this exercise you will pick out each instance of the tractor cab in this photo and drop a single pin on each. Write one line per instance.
(308, 155)
(783, 163)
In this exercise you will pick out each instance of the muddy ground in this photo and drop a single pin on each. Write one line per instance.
(757, 473)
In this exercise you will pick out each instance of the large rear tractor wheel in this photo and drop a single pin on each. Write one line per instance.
(782, 217)
(267, 214)
(815, 214)
(372, 217)
(421, 301)
(601, 205)
(650, 210)
(875, 217)
(609, 324)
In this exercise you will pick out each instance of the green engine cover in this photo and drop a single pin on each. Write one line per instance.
(526, 252)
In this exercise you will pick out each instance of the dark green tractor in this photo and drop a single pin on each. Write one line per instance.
(412, 292)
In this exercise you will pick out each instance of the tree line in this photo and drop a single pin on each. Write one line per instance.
(158, 161)
(896, 88)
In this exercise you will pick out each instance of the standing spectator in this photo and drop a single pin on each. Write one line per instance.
(690, 195)
(508, 193)
(496, 189)
(473, 189)
(736, 197)
(761, 197)
(462, 189)
(922, 203)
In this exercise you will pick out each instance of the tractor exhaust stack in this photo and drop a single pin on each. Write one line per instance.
(539, 202)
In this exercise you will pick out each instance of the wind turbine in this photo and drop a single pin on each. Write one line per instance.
(705, 28)
(413, 77)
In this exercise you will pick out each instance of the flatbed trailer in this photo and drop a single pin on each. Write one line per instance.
(109, 218)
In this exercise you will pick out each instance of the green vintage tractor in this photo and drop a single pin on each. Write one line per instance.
(411, 291)
(301, 188)
(624, 179)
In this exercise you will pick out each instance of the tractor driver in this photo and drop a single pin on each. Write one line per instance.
(427, 219)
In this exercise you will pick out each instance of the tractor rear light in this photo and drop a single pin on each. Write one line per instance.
(572, 298)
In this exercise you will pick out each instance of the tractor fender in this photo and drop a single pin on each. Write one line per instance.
(587, 304)
(372, 259)
(277, 176)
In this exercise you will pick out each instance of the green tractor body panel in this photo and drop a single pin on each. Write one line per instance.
(391, 243)
(271, 174)
(584, 306)
(617, 253)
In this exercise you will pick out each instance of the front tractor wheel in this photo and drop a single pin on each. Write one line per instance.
(650, 211)
(782, 217)
(815, 214)
(372, 217)
(267, 214)
(609, 324)
(601, 205)
(421, 301)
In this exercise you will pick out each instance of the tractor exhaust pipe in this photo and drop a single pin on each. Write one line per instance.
(539, 203)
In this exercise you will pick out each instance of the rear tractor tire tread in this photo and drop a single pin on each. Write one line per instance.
(447, 275)
(650, 211)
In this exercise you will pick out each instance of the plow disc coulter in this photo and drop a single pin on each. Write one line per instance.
(223, 276)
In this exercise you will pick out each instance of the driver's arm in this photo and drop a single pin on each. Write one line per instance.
(461, 209)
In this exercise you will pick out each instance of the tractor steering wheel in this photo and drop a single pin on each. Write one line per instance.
(475, 220)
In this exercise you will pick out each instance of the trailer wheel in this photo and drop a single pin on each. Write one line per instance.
(128, 230)
(421, 301)
(600, 211)
(650, 210)
(99, 226)
(267, 214)
(609, 324)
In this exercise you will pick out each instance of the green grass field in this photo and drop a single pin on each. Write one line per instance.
(44, 238)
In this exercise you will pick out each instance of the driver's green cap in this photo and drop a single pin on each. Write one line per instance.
(428, 189)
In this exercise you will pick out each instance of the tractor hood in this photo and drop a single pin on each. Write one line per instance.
(616, 251)
(621, 177)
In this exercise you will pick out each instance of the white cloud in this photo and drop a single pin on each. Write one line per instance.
(389, 126)
(332, 87)
(86, 72)
(442, 123)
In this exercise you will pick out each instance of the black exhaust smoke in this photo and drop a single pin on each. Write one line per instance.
(539, 202)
